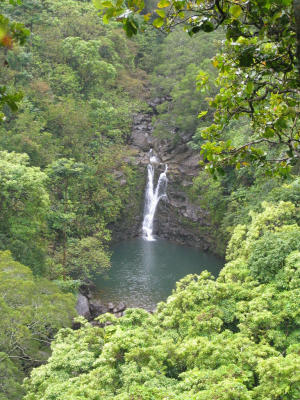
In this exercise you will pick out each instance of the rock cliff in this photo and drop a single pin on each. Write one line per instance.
(177, 218)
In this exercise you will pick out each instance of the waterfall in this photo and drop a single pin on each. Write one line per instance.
(152, 196)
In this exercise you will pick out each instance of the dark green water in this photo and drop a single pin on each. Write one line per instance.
(144, 273)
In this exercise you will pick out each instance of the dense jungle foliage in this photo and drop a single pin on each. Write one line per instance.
(80, 86)
(236, 337)
(63, 174)
(258, 73)
(69, 86)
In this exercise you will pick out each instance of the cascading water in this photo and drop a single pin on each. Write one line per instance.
(153, 196)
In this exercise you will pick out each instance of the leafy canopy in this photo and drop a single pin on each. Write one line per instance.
(32, 310)
(258, 73)
(236, 337)
(24, 205)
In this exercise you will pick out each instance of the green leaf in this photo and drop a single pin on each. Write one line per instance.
(163, 4)
(249, 87)
(106, 4)
(200, 115)
(105, 19)
(161, 13)
(130, 27)
(97, 3)
(207, 26)
(235, 11)
(158, 22)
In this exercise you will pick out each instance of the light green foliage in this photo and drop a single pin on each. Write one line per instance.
(269, 252)
(230, 338)
(24, 204)
(32, 310)
(85, 57)
(87, 257)
(272, 219)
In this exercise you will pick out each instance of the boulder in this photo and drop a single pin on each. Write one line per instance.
(82, 306)
(87, 288)
(119, 307)
(119, 314)
(96, 307)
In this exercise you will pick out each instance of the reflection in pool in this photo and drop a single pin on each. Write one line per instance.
(144, 273)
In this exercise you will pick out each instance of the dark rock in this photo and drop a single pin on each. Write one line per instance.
(87, 289)
(82, 306)
(95, 323)
(119, 314)
(120, 307)
(97, 308)
(110, 307)
(178, 218)
(76, 325)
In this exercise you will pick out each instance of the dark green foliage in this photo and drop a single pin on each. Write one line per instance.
(11, 379)
(11, 33)
(180, 60)
(258, 75)
(81, 86)
(230, 198)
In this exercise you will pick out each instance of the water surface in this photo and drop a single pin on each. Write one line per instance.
(144, 273)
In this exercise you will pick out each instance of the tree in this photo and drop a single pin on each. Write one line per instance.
(31, 312)
(24, 205)
(236, 337)
(63, 173)
(179, 59)
(87, 257)
(258, 75)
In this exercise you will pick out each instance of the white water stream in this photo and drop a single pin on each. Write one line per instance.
(152, 196)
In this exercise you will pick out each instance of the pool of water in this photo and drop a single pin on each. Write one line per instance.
(144, 273)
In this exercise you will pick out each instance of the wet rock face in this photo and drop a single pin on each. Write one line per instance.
(82, 306)
(90, 306)
(177, 218)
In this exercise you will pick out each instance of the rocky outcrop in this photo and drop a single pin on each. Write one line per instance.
(177, 218)
(82, 306)
(90, 306)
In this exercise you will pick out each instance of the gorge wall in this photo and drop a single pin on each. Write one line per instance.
(177, 218)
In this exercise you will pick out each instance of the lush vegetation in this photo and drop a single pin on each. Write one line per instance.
(80, 87)
(32, 311)
(64, 170)
(66, 176)
(258, 74)
(179, 62)
(236, 337)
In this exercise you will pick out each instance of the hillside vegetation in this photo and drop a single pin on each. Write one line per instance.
(236, 337)
(80, 86)
(70, 84)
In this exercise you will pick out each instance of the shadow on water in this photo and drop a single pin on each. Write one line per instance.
(144, 273)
